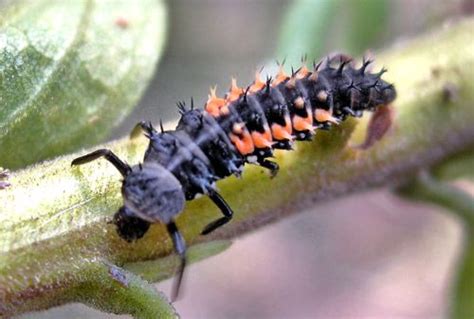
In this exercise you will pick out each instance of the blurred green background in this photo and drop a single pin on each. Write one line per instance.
(368, 256)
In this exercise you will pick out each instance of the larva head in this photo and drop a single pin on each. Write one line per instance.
(129, 226)
(370, 92)
(381, 94)
(388, 93)
(377, 90)
(152, 193)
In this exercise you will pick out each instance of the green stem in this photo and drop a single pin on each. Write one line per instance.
(115, 290)
(428, 189)
(431, 190)
(55, 217)
(463, 292)
(460, 166)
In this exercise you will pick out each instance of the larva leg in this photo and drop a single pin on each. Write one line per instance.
(271, 166)
(180, 249)
(122, 167)
(225, 209)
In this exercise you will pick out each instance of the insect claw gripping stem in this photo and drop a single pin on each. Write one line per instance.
(180, 248)
(271, 166)
(225, 209)
(349, 111)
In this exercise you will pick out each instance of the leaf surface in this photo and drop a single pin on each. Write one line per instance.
(70, 71)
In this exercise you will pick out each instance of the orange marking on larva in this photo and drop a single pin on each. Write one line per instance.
(322, 96)
(237, 128)
(279, 132)
(291, 83)
(243, 143)
(321, 115)
(313, 76)
(258, 84)
(224, 110)
(302, 73)
(235, 91)
(262, 140)
(212, 109)
(299, 102)
(280, 77)
(214, 103)
(302, 124)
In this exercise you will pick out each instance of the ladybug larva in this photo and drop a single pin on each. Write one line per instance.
(244, 126)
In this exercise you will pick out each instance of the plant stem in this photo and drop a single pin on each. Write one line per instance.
(429, 189)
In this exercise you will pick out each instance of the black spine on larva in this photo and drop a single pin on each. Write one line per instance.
(341, 90)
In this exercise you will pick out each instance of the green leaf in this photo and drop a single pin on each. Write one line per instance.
(463, 293)
(311, 27)
(70, 71)
(369, 20)
(304, 29)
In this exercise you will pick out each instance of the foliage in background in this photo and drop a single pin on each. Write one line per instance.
(311, 27)
(70, 71)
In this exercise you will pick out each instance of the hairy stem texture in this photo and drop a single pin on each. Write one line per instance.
(54, 228)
